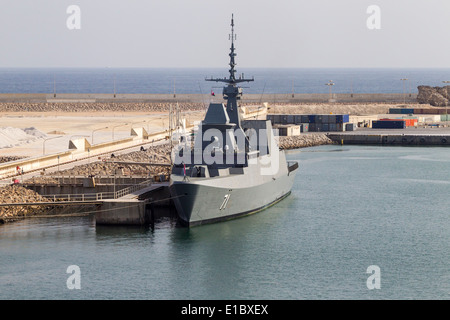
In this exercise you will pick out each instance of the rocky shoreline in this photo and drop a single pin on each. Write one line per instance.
(154, 154)
(4, 159)
(304, 141)
(18, 194)
(96, 107)
(435, 96)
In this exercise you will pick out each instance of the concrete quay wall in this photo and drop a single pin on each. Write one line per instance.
(130, 212)
(391, 139)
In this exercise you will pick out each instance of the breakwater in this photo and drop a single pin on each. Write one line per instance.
(204, 99)
(304, 141)
(19, 194)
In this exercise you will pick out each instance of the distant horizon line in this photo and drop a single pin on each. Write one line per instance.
(222, 67)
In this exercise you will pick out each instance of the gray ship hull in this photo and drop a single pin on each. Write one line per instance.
(198, 204)
(234, 167)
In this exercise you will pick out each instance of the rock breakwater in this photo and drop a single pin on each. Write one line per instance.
(304, 141)
(153, 154)
(435, 96)
(95, 106)
(18, 194)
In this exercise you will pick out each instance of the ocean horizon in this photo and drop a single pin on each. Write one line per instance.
(192, 80)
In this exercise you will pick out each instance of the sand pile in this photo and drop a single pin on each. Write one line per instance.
(12, 137)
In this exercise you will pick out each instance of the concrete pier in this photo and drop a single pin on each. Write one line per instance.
(394, 137)
(137, 208)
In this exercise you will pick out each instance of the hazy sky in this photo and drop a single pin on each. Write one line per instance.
(194, 33)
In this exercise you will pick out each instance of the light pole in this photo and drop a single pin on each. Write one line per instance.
(92, 135)
(330, 84)
(43, 144)
(404, 89)
(116, 127)
(114, 85)
(448, 97)
(89, 161)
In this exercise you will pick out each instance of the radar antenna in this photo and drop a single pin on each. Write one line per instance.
(232, 93)
(232, 79)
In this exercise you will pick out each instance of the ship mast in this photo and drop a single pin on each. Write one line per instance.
(232, 93)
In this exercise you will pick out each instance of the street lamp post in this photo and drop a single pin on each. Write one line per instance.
(116, 127)
(404, 89)
(89, 161)
(448, 97)
(114, 85)
(330, 84)
(43, 144)
(92, 135)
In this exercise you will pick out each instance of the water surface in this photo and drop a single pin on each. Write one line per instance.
(351, 207)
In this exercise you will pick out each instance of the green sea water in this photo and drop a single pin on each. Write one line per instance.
(351, 208)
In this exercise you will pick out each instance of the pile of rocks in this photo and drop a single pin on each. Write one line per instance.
(96, 106)
(41, 180)
(435, 96)
(4, 159)
(330, 108)
(155, 154)
(18, 194)
(304, 140)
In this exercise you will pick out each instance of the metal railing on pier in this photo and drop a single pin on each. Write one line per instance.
(99, 196)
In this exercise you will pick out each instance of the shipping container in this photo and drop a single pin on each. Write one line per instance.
(325, 127)
(304, 118)
(297, 119)
(350, 127)
(288, 130)
(342, 118)
(406, 111)
(304, 127)
(290, 118)
(312, 118)
(332, 127)
(276, 118)
(395, 111)
(388, 124)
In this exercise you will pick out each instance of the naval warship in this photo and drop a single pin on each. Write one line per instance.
(233, 167)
